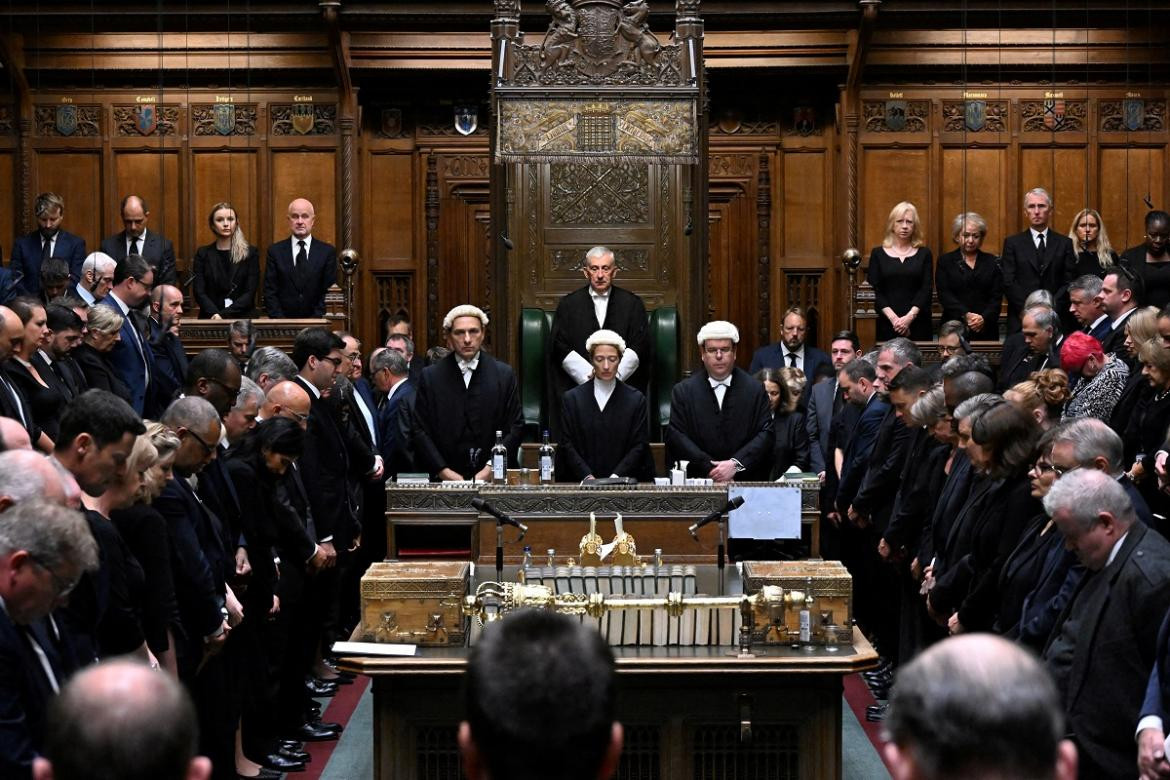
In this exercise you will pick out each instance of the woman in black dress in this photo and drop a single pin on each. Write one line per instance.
(1151, 260)
(92, 355)
(227, 271)
(1146, 432)
(790, 445)
(604, 421)
(969, 281)
(1095, 256)
(45, 403)
(901, 272)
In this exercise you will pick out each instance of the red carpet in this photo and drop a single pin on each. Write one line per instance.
(339, 710)
(858, 697)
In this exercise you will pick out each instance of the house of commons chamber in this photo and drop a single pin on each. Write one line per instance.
(352, 356)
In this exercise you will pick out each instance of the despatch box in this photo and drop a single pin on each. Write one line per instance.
(830, 618)
(415, 602)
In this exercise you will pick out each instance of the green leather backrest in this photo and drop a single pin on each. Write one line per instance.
(535, 327)
(664, 332)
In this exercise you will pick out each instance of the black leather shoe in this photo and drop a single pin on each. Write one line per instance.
(326, 724)
(263, 774)
(311, 732)
(314, 688)
(880, 691)
(340, 679)
(290, 744)
(875, 713)
(281, 763)
(295, 755)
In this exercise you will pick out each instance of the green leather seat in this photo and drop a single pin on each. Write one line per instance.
(535, 335)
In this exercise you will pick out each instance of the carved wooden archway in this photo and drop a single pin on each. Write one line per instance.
(599, 136)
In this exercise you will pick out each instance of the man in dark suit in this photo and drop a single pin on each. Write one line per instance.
(52, 361)
(599, 304)
(135, 239)
(170, 356)
(1105, 641)
(720, 421)
(461, 402)
(825, 400)
(299, 271)
(49, 240)
(97, 277)
(46, 549)
(132, 356)
(792, 351)
(390, 375)
(13, 403)
(1037, 347)
(1038, 258)
(1086, 307)
(1121, 292)
(404, 344)
(857, 380)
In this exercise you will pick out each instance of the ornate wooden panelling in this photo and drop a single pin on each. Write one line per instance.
(394, 293)
(975, 116)
(302, 119)
(599, 194)
(896, 116)
(1053, 115)
(1132, 115)
(68, 120)
(146, 119)
(211, 119)
(7, 123)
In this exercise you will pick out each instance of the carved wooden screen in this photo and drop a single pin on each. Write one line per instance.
(598, 138)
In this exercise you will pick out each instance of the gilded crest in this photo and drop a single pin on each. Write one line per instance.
(224, 118)
(896, 115)
(67, 119)
(302, 118)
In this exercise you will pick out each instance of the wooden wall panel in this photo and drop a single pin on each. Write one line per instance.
(890, 176)
(972, 180)
(1064, 172)
(803, 210)
(154, 177)
(388, 230)
(1126, 177)
(304, 174)
(8, 206)
(230, 177)
(76, 177)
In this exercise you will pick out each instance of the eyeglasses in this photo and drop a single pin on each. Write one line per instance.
(232, 392)
(335, 361)
(207, 448)
(353, 356)
(61, 586)
(296, 415)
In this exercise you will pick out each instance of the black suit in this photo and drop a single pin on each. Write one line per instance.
(62, 375)
(964, 290)
(298, 292)
(98, 372)
(701, 432)
(1017, 361)
(1115, 341)
(156, 249)
(1024, 271)
(451, 419)
(22, 412)
(25, 691)
(217, 280)
(170, 367)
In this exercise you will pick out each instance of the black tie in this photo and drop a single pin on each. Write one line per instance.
(301, 256)
(47, 249)
(1040, 247)
(792, 360)
(134, 245)
(838, 400)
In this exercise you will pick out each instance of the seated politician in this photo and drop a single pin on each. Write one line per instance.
(604, 421)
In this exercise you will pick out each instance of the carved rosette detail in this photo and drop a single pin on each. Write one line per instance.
(129, 120)
(994, 116)
(731, 165)
(203, 120)
(599, 194)
(569, 258)
(302, 119)
(911, 116)
(1053, 116)
(86, 121)
(7, 125)
(467, 166)
(1151, 116)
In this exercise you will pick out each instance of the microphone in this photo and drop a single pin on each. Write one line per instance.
(484, 506)
(734, 503)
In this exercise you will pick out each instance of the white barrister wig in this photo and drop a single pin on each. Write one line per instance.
(466, 310)
(605, 338)
(718, 329)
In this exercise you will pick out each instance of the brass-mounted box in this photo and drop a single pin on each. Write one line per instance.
(830, 618)
(415, 602)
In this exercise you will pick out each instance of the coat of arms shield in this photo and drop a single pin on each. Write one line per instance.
(975, 115)
(1134, 112)
(302, 118)
(466, 119)
(1054, 114)
(147, 118)
(67, 119)
(224, 115)
(896, 115)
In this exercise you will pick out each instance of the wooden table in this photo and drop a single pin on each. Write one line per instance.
(687, 711)
(557, 517)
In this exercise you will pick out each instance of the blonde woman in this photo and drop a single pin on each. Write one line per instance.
(1090, 240)
(901, 272)
(227, 271)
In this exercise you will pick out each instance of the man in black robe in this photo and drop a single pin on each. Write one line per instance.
(720, 421)
(580, 313)
(462, 401)
(604, 421)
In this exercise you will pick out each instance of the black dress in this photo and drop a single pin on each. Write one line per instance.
(963, 289)
(900, 285)
(145, 533)
(98, 372)
(790, 447)
(1088, 264)
(1155, 277)
(46, 404)
(217, 278)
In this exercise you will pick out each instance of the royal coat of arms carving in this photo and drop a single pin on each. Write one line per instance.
(599, 36)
